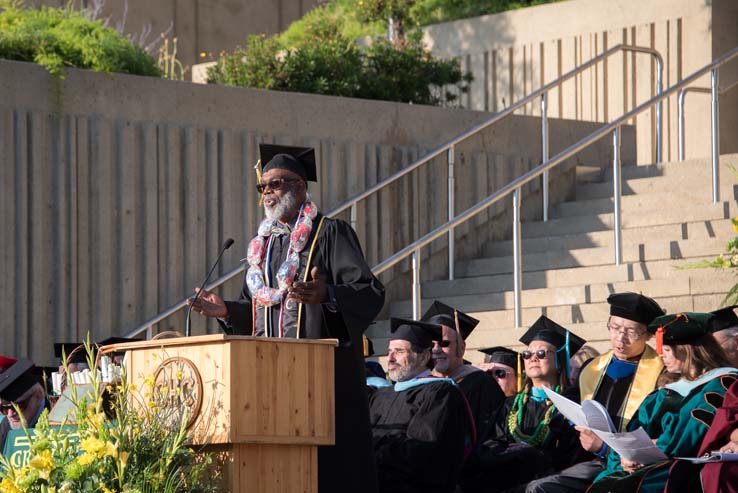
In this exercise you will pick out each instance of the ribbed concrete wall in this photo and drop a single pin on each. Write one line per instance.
(117, 191)
(515, 53)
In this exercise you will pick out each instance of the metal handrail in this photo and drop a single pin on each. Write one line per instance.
(515, 185)
(449, 148)
(680, 111)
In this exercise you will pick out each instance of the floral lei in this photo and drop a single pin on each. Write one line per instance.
(515, 419)
(262, 294)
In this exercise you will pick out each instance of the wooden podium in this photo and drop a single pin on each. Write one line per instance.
(264, 405)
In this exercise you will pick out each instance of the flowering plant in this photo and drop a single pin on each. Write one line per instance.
(125, 441)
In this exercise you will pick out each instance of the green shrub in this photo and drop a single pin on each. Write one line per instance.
(322, 59)
(62, 37)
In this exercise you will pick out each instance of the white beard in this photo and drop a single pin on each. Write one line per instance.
(285, 204)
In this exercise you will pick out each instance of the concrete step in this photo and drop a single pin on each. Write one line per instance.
(578, 285)
(603, 222)
(586, 257)
(718, 228)
(691, 167)
(645, 203)
(696, 184)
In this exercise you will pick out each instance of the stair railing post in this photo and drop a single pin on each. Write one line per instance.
(451, 212)
(715, 133)
(680, 122)
(617, 190)
(416, 284)
(659, 105)
(517, 258)
(353, 216)
(544, 152)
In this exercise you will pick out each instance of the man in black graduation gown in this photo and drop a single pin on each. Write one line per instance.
(619, 380)
(481, 391)
(420, 426)
(309, 279)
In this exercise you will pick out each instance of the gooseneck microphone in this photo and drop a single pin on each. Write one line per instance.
(226, 245)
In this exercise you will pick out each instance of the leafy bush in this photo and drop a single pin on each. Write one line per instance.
(62, 37)
(323, 60)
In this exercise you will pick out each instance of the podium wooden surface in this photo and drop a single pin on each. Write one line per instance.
(264, 404)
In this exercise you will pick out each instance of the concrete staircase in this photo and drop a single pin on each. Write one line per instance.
(668, 220)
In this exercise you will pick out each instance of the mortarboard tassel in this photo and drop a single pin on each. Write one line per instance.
(458, 332)
(519, 383)
(661, 330)
(257, 168)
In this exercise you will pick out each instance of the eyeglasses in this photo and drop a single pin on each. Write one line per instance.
(631, 333)
(500, 372)
(444, 343)
(275, 184)
(540, 354)
(5, 407)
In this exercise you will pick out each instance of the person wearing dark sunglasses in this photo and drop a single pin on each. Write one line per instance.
(531, 437)
(505, 367)
(481, 391)
(307, 278)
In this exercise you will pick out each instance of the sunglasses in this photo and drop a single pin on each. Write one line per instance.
(540, 354)
(275, 184)
(445, 343)
(499, 372)
(22, 405)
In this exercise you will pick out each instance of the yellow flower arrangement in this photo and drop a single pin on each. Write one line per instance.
(122, 443)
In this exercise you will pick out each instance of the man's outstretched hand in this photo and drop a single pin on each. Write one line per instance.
(310, 292)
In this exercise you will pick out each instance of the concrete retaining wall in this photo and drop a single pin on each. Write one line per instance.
(117, 191)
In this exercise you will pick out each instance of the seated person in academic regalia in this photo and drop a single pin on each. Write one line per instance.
(722, 477)
(421, 427)
(619, 379)
(481, 391)
(531, 437)
(678, 416)
(725, 331)
(22, 397)
(504, 366)
(375, 375)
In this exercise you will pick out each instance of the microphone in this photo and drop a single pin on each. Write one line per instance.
(226, 245)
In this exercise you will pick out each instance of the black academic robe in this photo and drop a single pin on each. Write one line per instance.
(485, 397)
(509, 463)
(359, 296)
(420, 436)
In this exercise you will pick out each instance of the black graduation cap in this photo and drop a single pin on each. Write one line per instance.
(442, 314)
(724, 318)
(680, 328)
(299, 160)
(502, 355)
(17, 380)
(80, 356)
(635, 307)
(419, 333)
(545, 329)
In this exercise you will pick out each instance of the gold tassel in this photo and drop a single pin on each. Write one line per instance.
(458, 334)
(257, 168)
(519, 383)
